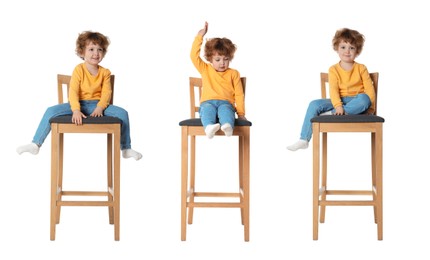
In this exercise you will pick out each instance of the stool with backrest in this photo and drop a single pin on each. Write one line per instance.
(111, 126)
(321, 126)
(191, 128)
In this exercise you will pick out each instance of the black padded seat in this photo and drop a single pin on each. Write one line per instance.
(88, 120)
(198, 122)
(348, 119)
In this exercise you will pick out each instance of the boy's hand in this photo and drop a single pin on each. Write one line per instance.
(98, 112)
(370, 111)
(77, 117)
(339, 110)
(203, 31)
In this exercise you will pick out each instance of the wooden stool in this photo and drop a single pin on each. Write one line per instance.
(321, 126)
(190, 129)
(101, 125)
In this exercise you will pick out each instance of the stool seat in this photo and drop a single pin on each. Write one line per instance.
(348, 119)
(198, 122)
(88, 120)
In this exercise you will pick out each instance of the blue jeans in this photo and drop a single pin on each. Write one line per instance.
(352, 105)
(212, 111)
(87, 107)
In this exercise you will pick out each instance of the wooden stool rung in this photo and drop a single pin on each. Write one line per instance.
(84, 193)
(85, 203)
(347, 203)
(217, 194)
(349, 192)
(215, 204)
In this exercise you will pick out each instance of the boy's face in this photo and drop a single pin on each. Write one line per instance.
(347, 52)
(220, 63)
(93, 53)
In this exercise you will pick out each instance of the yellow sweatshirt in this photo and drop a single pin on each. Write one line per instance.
(84, 86)
(350, 83)
(218, 85)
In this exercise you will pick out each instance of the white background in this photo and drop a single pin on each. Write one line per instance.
(282, 48)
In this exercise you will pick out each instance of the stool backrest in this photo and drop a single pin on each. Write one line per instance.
(196, 93)
(64, 81)
(324, 85)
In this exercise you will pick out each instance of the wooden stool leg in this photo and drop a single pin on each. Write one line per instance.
(109, 177)
(246, 181)
(378, 166)
(184, 182)
(54, 181)
(316, 177)
(60, 174)
(192, 188)
(117, 182)
(374, 182)
(241, 173)
(324, 176)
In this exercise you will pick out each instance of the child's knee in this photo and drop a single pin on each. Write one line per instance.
(364, 99)
(315, 104)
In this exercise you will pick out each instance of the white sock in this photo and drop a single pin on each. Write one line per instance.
(28, 148)
(210, 130)
(227, 129)
(129, 153)
(301, 144)
(327, 113)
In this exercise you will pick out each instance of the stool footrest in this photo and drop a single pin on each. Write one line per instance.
(84, 193)
(85, 203)
(216, 194)
(347, 192)
(215, 205)
(347, 203)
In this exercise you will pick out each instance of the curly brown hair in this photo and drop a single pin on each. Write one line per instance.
(350, 36)
(222, 46)
(88, 37)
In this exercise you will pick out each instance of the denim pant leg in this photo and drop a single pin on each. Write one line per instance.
(315, 108)
(208, 113)
(122, 114)
(356, 105)
(226, 113)
(88, 106)
(44, 127)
